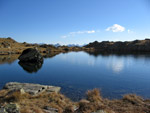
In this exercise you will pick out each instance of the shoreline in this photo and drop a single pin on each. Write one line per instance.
(26, 97)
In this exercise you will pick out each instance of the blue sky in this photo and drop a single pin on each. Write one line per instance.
(74, 21)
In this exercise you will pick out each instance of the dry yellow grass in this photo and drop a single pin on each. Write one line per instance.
(36, 104)
(29, 104)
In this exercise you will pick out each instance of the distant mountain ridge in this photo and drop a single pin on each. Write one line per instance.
(69, 45)
(76, 45)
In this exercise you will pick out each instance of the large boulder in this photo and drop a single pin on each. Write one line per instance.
(32, 89)
(31, 55)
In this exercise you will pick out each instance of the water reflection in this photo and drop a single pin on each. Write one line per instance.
(119, 62)
(74, 58)
(8, 59)
(115, 62)
(133, 54)
(51, 55)
(77, 72)
(31, 67)
(116, 65)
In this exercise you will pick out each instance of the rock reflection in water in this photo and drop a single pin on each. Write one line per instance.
(30, 67)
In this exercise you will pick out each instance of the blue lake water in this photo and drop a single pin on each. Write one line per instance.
(77, 72)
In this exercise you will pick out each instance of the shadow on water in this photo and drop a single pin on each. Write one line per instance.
(31, 67)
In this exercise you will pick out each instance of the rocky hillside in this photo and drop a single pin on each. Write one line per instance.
(10, 46)
(127, 46)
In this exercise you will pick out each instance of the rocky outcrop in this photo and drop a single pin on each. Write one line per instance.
(5, 45)
(32, 89)
(127, 46)
(31, 55)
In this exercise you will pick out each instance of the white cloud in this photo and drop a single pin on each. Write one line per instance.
(91, 31)
(79, 32)
(64, 36)
(130, 31)
(147, 36)
(116, 28)
(83, 32)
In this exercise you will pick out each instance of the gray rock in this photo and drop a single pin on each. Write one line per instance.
(31, 55)
(32, 89)
(100, 111)
(53, 89)
(16, 90)
(2, 110)
(12, 108)
(48, 109)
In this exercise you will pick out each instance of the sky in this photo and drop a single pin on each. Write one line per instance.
(74, 21)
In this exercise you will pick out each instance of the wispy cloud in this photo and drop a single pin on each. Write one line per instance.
(83, 32)
(116, 28)
(79, 32)
(147, 36)
(130, 31)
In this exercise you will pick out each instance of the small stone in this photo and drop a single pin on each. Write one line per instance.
(100, 111)
(2, 110)
(53, 89)
(50, 109)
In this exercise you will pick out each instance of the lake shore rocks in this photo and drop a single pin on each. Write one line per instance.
(32, 89)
